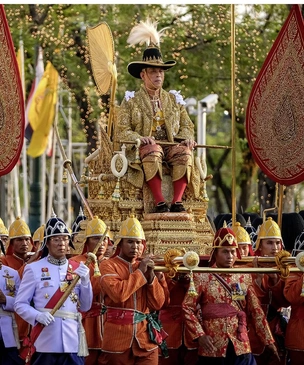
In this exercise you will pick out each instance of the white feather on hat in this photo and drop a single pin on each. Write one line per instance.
(145, 32)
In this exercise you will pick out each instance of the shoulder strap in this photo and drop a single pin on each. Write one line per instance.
(228, 289)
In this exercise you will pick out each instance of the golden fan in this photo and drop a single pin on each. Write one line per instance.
(101, 52)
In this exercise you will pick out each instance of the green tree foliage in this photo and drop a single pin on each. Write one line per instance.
(197, 37)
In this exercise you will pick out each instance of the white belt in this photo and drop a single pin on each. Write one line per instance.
(82, 343)
(63, 314)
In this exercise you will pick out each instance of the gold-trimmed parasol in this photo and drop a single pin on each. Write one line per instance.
(101, 52)
(275, 116)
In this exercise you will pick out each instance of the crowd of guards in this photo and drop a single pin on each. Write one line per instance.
(122, 311)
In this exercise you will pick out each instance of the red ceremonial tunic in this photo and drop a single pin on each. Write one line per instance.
(294, 339)
(221, 317)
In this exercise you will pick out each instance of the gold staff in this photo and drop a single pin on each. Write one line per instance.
(233, 128)
(234, 270)
(172, 259)
(68, 165)
(162, 143)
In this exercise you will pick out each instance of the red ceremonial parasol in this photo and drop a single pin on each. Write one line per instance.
(275, 113)
(12, 118)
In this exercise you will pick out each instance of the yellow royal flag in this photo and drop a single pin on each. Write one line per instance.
(42, 111)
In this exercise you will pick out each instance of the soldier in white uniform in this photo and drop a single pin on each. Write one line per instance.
(62, 340)
(9, 339)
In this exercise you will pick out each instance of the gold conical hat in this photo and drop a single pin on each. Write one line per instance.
(39, 234)
(19, 229)
(241, 234)
(3, 229)
(269, 229)
(95, 227)
(131, 228)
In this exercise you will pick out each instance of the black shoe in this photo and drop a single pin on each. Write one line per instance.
(162, 207)
(177, 207)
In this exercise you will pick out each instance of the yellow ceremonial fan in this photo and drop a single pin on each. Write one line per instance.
(101, 52)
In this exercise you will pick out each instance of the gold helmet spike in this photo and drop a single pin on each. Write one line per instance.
(242, 236)
(95, 227)
(130, 228)
(268, 229)
(19, 229)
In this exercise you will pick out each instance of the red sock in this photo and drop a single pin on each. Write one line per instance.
(179, 188)
(155, 186)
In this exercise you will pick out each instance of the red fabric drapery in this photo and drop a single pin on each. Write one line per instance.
(12, 118)
(275, 112)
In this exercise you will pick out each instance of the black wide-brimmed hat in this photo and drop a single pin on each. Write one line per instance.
(152, 57)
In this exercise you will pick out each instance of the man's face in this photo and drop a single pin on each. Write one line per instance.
(21, 245)
(141, 249)
(130, 248)
(270, 246)
(57, 246)
(244, 249)
(225, 257)
(153, 77)
(93, 241)
(4, 240)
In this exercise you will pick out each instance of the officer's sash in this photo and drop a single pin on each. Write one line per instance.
(28, 348)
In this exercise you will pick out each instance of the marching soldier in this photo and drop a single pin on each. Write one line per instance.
(243, 240)
(92, 320)
(20, 243)
(58, 338)
(269, 289)
(225, 301)
(17, 255)
(9, 337)
(131, 290)
(181, 349)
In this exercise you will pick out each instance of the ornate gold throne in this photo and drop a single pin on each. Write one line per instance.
(114, 199)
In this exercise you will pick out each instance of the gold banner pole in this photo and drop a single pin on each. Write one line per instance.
(234, 270)
(233, 128)
(280, 205)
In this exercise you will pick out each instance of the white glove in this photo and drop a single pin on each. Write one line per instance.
(84, 273)
(45, 318)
